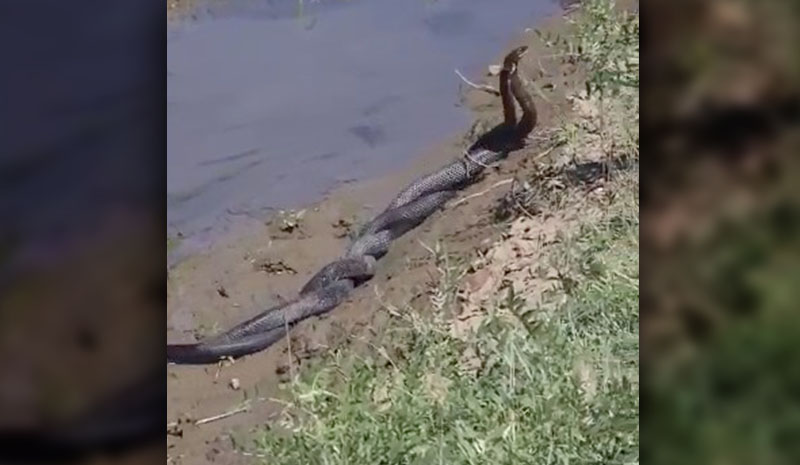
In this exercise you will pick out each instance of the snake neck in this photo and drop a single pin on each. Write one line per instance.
(509, 112)
(528, 119)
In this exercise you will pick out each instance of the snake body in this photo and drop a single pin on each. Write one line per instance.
(413, 205)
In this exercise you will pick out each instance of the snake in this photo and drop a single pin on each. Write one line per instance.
(332, 284)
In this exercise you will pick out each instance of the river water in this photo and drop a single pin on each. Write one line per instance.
(271, 103)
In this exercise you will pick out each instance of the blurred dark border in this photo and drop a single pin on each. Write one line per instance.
(82, 230)
(720, 237)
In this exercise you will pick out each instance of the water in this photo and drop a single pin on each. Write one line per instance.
(268, 108)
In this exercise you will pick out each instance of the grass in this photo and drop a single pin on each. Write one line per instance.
(550, 383)
(551, 387)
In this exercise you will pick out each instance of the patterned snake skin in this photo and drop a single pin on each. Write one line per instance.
(412, 206)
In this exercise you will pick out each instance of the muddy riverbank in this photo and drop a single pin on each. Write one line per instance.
(239, 276)
(262, 95)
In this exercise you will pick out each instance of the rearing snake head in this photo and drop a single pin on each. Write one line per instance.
(513, 57)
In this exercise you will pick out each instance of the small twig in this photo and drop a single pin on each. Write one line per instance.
(289, 343)
(544, 153)
(483, 87)
(483, 192)
(221, 416)
(632, 281)
(252, 454)
(539, 137)
(427, 248)
(541, 68)
(473, 160)
(285, 404)
(221, 365)
(389, 307)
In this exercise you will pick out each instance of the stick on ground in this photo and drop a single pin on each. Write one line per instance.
(221, 416)
(483, 87)
(483, 192)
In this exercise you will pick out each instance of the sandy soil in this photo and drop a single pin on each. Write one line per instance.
(236, 279)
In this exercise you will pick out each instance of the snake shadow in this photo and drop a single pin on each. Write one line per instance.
(502, 138)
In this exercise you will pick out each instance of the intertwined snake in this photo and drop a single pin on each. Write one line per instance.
(331, 285)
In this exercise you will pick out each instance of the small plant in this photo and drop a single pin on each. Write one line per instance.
(607, 43)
